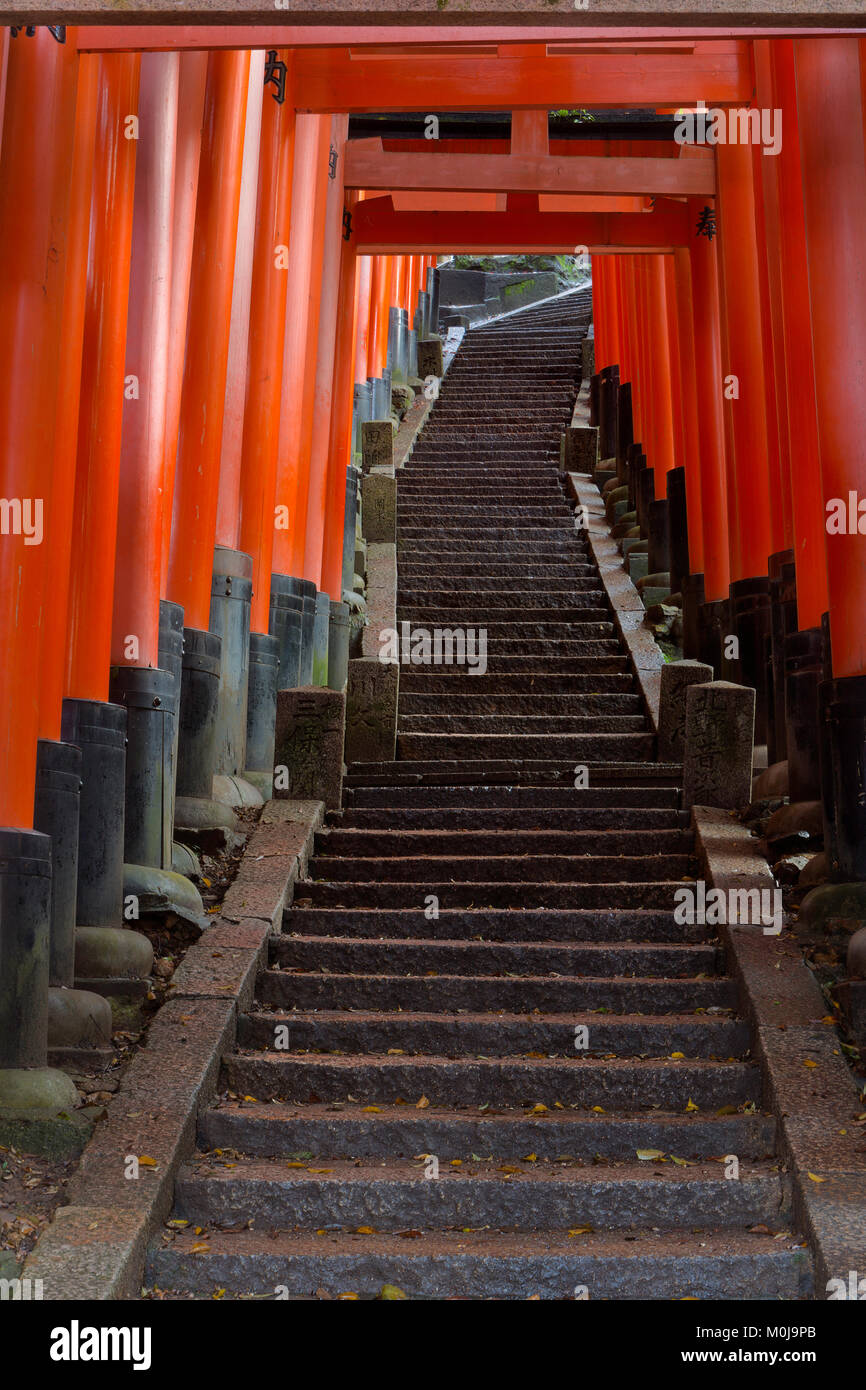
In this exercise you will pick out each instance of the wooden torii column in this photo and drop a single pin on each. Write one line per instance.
(831, 128)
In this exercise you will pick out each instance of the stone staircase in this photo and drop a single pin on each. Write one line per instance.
(485, 1062)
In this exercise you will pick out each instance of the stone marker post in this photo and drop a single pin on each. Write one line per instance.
(308, 745)
(676, 678)
(717, 759)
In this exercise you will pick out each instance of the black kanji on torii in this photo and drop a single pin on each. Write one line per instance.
(57, 31)
(707, 223)
(332, 163)
(347, 225)
(275, 74)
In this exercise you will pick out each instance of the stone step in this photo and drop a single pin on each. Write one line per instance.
(579, 608)
(349, 844)
(499, 1035)
(615, 722)
(512, 801)
(509, 703)
(365, 892)
(400, 1130)
(644, 1265)
(611, 1084)
(585, 624)
(577, 747)
(645, 925)
(393, 1194)
(551, 864)
(415, 683)
(514, 771)
(481, 993)
(346, 955)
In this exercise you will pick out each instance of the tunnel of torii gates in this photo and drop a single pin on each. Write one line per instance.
(206, 288)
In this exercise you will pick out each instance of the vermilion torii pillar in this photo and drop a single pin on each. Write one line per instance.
(689, 399)
(266, 340)
(202, 407)
(807, 496)
(304, 295)
(831, 130)
(364, 282)
(191, 89)
(228, 511)
(137, 682)
(314, 535)
(751, 533)
(204, 378)
(91, 719)
(660, 373)
(54, 630)
(38, 125)
(708, 393)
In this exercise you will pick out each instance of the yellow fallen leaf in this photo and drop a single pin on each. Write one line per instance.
(814, 1177)
(650, 1153)
(365, 1231)
(691, 1106)
(582, 1231)
(538, 1109)
(809, 1063)
(355, 1296)
(530, 1158)
(395, 1052)
(677, 1056)
(252, 1098)
(390, 1293)
(218, 1293)
(295, 1164)
(457, 1163)
(680, 1162)
(370, 1109)
(320, 1170)
(598, 1110)
(147, 1162)
(200, 1247)
(422, 1103)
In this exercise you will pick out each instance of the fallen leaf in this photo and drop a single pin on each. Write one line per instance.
(422, 1103)
(650, 1153)
(814, 1177)
(582, 1231)
(691, 1106)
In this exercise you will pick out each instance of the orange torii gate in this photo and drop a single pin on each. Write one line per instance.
(731, 271)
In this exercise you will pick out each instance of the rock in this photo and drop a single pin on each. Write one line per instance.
(772, 782)
(660, 580)
(356, 602)
(401, 398)
(857, 954)
(833, 909)
(802, 820)
(788, 869)
(816, 871)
